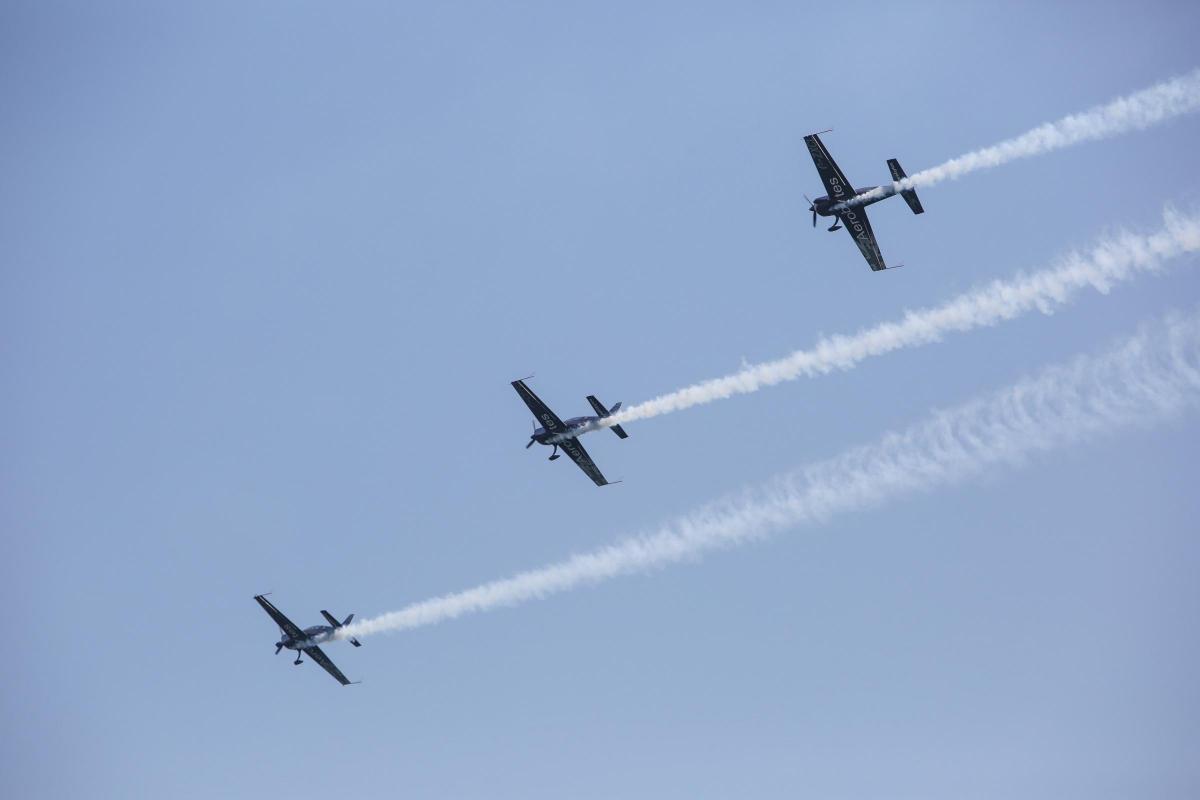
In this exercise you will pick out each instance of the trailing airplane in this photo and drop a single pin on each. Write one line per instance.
(853, 214)
(307, 640)
(559, 434)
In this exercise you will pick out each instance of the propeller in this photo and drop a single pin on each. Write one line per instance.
(531, 441)
(813, 208)
(278, 647)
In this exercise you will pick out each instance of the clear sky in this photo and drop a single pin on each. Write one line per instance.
(267, 269)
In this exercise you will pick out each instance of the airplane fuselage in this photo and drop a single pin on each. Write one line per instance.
(575, 426)
(827, 207)
(316, 634)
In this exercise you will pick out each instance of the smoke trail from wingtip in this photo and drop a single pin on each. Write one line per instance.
(1158, 103)
(1113, 260)
(1147, 378)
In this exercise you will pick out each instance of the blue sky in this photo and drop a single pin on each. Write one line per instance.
(269, 268)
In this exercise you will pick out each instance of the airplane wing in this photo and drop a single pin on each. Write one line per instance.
(859, 227)
(318, 655)
(285, 624)
(575, 450)
(548, 419)
(836, 185)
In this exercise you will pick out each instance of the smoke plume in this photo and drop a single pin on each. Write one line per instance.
(1149, 377)
(1113, 260)
(1159, 103)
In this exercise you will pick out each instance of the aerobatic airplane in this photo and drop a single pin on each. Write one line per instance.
(853, 214)
(307, 640)
(560, 434)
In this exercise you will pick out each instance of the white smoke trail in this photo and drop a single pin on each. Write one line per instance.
(1113, 260)
(1159, 103)
(1146, 378)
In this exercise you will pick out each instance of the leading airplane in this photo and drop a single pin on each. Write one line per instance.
(560, 434)
(307, 640)
(853, 214)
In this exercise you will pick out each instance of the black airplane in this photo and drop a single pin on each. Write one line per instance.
(307, 640)
(559, 434)
(853, 215)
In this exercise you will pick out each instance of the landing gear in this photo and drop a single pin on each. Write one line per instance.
(836, 226)
(297, 662)
(554, 455)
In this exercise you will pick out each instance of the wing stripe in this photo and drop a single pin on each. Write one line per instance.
(831, 175)
(541, 412)
(859, 228)
(285, 624)
(318, 655)
(574, 449)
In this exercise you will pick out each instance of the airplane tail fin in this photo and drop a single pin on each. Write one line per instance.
(332, 620)
(909, 195)
(604, 412)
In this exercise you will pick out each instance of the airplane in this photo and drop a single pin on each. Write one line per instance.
(853, 214)
(560, 434)
(307, 640)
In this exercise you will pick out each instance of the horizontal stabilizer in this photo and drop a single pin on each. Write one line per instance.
(604, 412)
(332, 620)
(909, 195)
